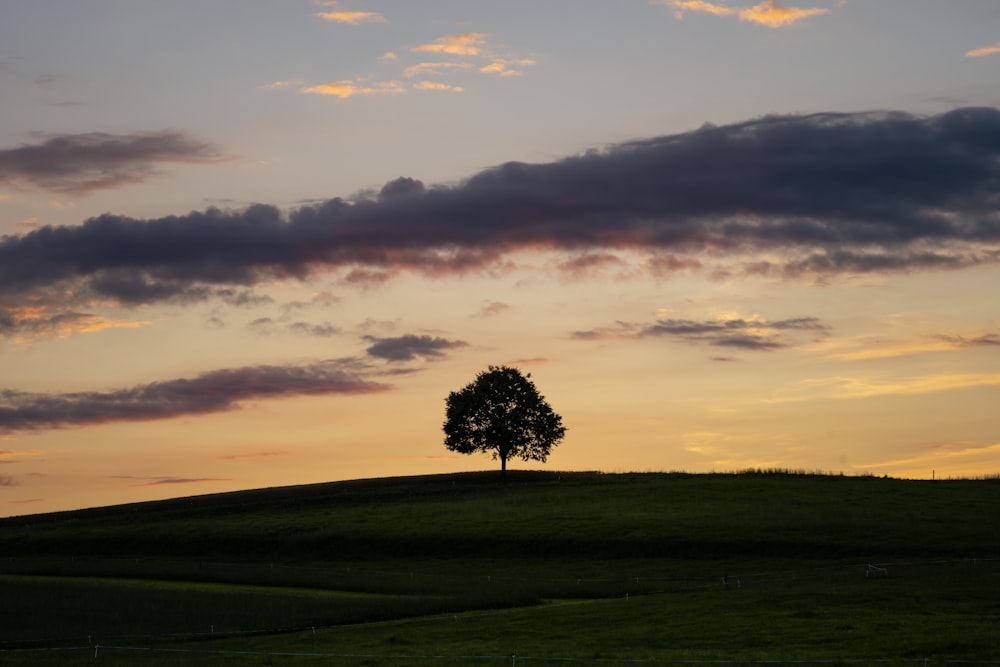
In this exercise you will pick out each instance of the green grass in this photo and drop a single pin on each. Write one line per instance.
(579, 566)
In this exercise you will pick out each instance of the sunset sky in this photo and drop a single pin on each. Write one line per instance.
(257, 243)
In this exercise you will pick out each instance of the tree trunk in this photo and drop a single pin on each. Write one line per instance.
(503, 466)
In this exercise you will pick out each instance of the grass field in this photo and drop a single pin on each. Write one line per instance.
(546, 567)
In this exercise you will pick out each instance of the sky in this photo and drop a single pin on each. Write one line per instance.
(257, 244)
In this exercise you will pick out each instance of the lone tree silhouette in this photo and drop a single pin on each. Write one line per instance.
(501, 411)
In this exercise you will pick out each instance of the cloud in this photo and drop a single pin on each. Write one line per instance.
(864, 387)
(324, 330)
(12, 455)
(211, 392)
(159, 481)
(255, 455)
(320, 298)
(965, 454)
(529, 361)
(506, 66)
(409, 347)
(933, 343)
(433, 85)
(462, 46)
(681, 6)
(80, 164)
(984, 51)
(242, 298)
(28, 323)
(774, 15)
(349, 17)
(768, 13)
(6, 480)
(662, 266)
(348, 88)
(467, 44)
(491, 308)
(278, 85)
(784, 196)
(752, 334)
(434, 68)
(589, 265)
(266, 326)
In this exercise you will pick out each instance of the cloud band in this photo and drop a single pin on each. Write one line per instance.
(821, 193)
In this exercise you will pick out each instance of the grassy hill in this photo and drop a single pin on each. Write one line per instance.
(572, 565)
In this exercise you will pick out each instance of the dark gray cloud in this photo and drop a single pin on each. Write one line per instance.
(747, 334)
(211, 392)
(83, 163)
(785, 195)
(409, 347)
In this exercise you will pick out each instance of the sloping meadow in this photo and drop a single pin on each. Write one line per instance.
(264, 567)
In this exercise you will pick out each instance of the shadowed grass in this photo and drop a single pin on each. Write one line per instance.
(764, 565)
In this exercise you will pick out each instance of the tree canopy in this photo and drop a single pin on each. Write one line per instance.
(502, 412)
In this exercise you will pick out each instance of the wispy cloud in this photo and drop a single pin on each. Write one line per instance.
(422, 69)
(854, 387)
(752, 334)
(492, 308)
(990, 50)
(882, 349)
(409, 347)
(774, 15)
(160, 481)
(789, 197)
(14, 455)
(267, 326)
(716, 9)
(211, 392)
(768, 13)
(529, 361)
(507, 67)
(589, 265)
(255, 455)
(352, 88)
(81, 164)
(465, 44)
(27, 323)
(468, 52)
(938, 455)
(338, 15)
(441, 87)
(278, 85)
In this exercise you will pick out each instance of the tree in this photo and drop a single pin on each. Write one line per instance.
(502, 412)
